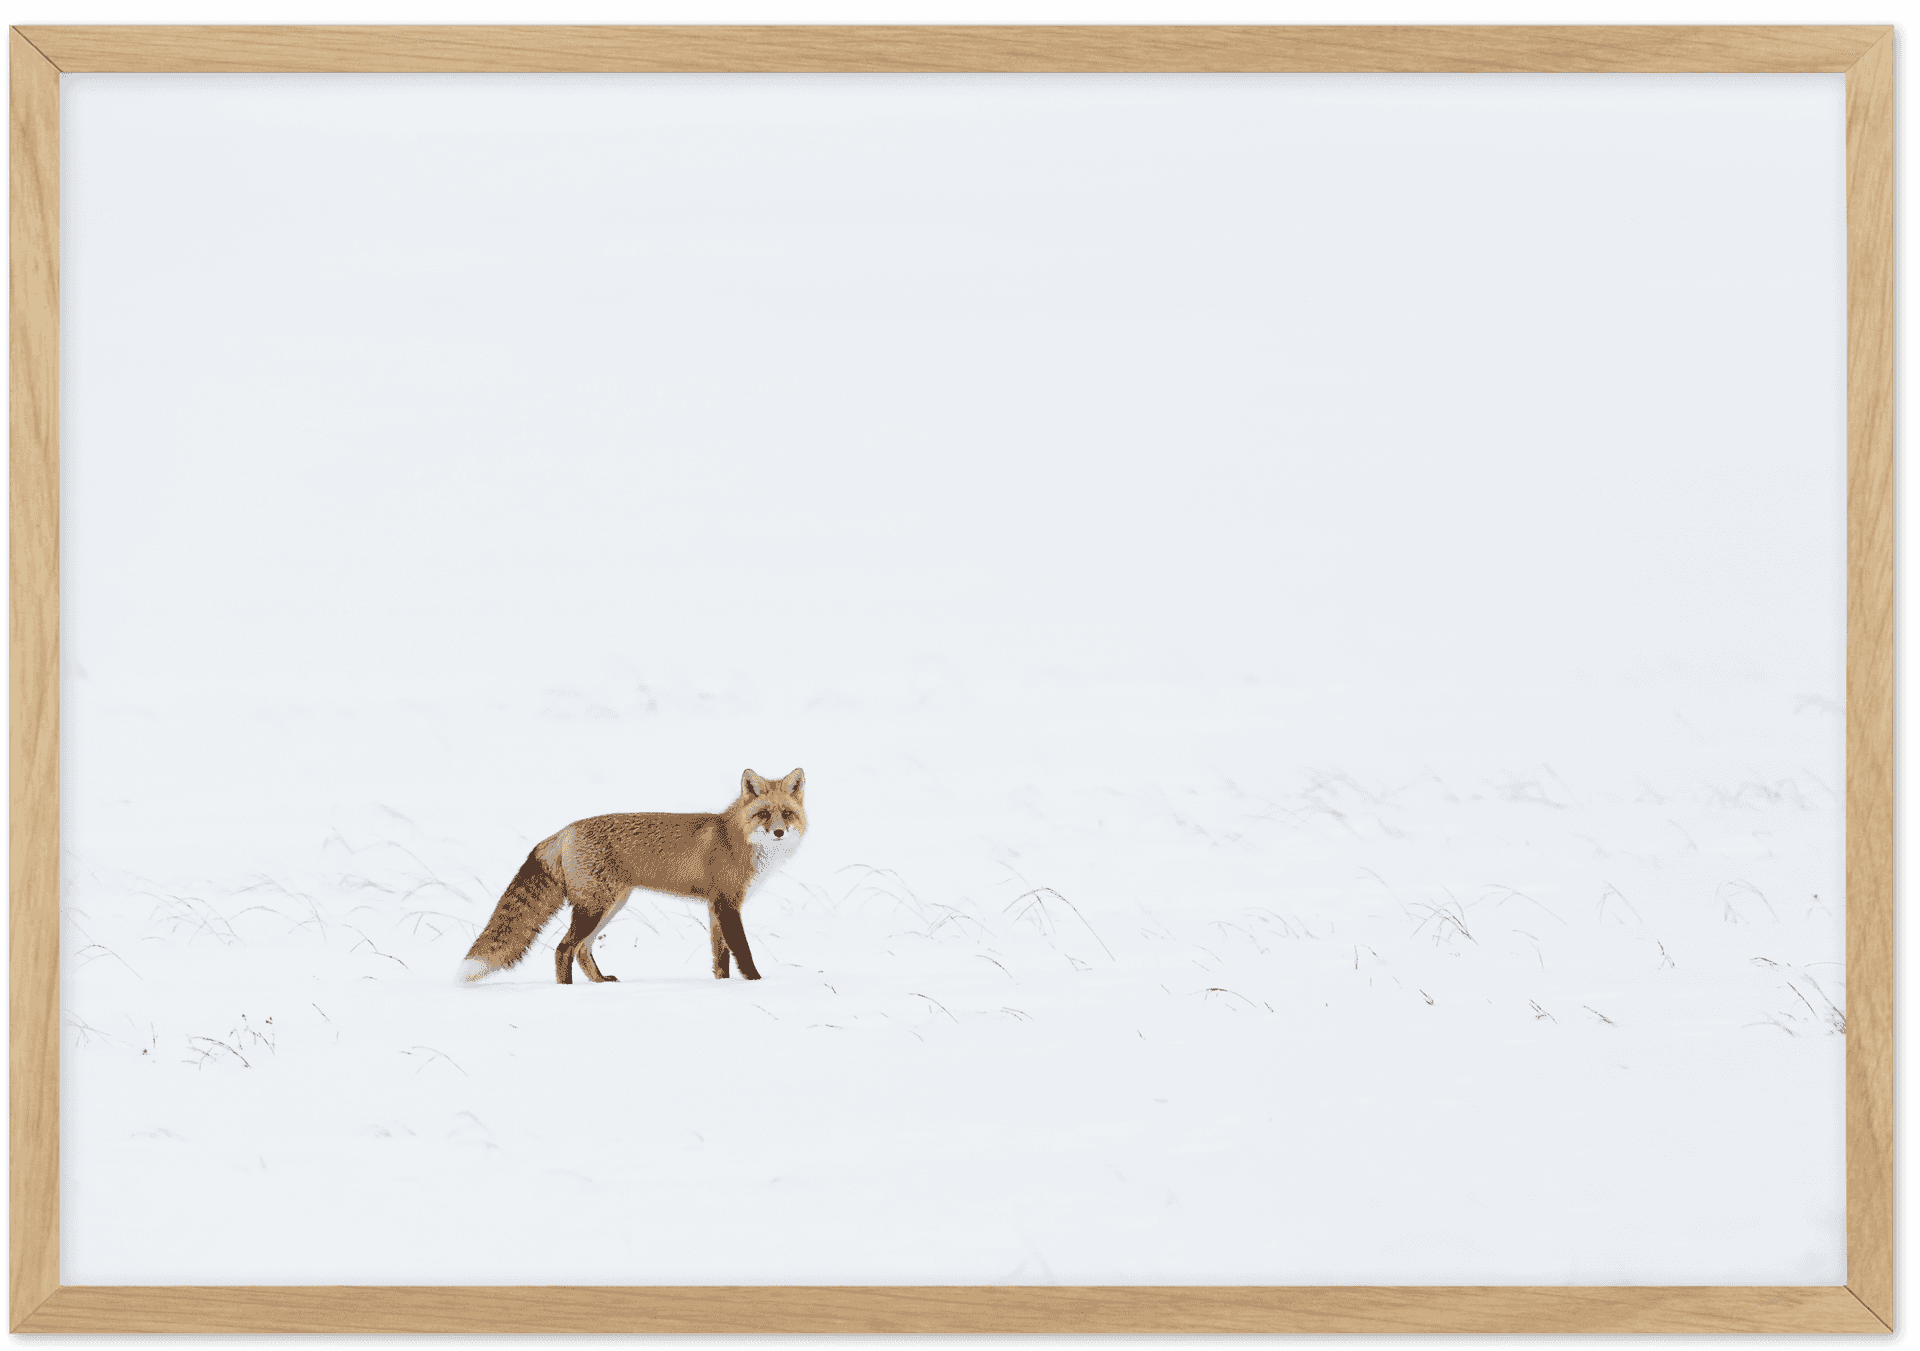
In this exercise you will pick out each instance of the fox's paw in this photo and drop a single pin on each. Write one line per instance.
(750, 975)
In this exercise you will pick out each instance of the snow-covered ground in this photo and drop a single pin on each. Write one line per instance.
(1124, 982)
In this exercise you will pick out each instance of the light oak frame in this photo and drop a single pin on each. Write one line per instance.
(39, 1303)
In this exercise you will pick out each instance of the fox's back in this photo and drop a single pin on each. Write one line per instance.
(684, 853)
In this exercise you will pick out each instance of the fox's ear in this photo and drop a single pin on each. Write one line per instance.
(752, 784)
(795, 781)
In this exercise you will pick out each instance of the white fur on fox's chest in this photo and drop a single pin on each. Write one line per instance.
(770, 854)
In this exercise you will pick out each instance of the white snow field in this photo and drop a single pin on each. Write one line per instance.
(1311, 609)
(1220, 998)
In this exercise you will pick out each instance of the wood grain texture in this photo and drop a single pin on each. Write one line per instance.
(1117, 47)
(33, 672)
(38, 1304)
(976, 1309)
(1870, 679)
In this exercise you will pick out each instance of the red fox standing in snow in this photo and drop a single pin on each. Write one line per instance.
(597, 863)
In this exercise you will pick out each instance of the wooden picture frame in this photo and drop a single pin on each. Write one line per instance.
(41, 1303)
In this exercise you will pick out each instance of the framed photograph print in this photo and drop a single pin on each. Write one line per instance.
(974, 679)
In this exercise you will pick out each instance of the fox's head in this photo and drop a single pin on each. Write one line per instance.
(774, 810)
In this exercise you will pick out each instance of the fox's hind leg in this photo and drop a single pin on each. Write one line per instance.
(584, 953)
(591, 911)
(721, 962)
(582, 925)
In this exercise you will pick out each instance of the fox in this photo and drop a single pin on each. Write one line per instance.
(596, 864)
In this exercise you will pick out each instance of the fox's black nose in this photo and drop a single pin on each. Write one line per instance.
(778, 833)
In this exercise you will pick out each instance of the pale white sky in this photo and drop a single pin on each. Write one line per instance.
(432, 386)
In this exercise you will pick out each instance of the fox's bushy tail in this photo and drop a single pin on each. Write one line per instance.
(530, 900)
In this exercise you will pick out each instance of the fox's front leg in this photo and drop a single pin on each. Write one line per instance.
(720, 962)
(727, 914)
